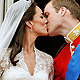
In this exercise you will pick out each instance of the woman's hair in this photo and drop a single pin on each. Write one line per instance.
(16, 43)
(71, 5)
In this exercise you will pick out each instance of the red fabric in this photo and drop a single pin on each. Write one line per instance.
(62, 60)
(61, 63)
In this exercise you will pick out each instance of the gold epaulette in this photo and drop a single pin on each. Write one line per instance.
(73, 34)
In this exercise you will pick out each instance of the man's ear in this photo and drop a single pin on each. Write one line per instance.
(29, 23)
(62, 11)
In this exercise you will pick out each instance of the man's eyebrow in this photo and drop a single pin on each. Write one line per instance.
(46, 14)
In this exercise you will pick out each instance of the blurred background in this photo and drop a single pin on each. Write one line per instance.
(47, 44)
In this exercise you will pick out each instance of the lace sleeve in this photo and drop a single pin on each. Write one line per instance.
(45, 62)
(4, 60)
(51, 74)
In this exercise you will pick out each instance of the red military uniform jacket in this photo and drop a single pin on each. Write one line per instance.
(61, 63)
(62, 60)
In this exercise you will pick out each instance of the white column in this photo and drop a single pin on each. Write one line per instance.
(8, 3)
(3, 8)
(1, 11)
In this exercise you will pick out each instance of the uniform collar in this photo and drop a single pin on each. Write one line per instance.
(73, 34)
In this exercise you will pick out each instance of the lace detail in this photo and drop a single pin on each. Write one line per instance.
(43, 70)
(45, 63)
(4, 60)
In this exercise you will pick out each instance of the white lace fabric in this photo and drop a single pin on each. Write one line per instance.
(44, 69)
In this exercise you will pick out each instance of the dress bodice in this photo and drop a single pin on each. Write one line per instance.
(42, 71)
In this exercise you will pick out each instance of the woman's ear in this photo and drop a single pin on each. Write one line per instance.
(29, 23)
(62, 11)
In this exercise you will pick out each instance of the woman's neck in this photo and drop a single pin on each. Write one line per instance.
(29, 42)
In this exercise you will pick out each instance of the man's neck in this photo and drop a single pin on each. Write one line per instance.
(68, 26)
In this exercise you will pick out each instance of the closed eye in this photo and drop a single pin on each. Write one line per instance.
(42, 15)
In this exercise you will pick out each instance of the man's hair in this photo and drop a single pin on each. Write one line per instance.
(71, 5)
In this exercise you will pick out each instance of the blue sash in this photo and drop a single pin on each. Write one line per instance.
(73, 69)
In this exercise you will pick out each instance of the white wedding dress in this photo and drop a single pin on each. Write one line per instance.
(43, 70)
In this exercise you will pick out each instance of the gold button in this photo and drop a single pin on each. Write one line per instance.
(72, 53)
(72, 47)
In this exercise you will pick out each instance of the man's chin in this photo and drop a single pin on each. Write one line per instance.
(50, 34)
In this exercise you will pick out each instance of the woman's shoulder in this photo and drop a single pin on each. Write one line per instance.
(4, 53)
(4, 50)
(4, 59)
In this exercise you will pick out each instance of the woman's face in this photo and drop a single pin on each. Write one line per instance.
(39, 23)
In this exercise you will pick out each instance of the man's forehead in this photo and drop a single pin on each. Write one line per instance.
(48, 8)
(49, 5)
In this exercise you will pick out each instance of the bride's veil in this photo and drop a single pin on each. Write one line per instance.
(11, 22)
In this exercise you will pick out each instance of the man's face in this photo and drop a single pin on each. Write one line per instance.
(53, 19)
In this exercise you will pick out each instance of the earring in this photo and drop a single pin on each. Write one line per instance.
(31, 29)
